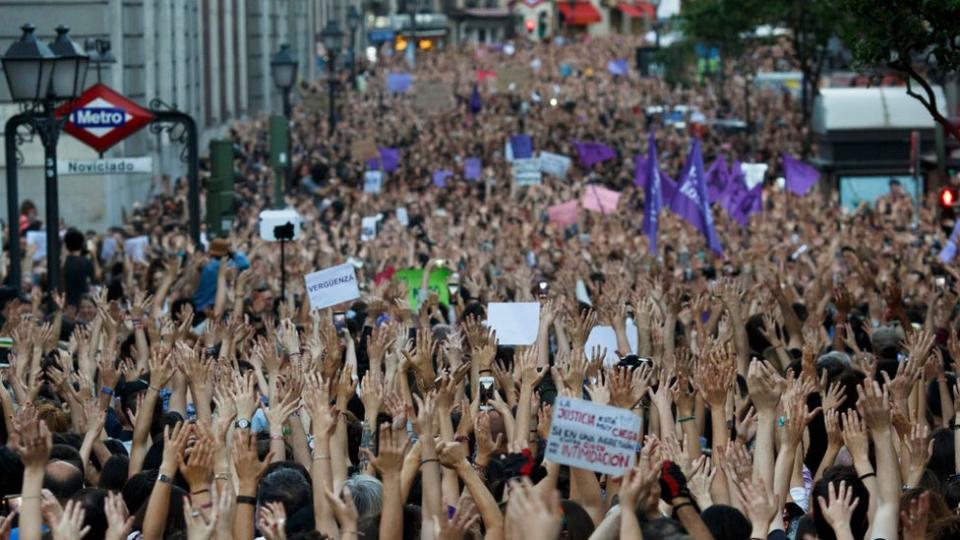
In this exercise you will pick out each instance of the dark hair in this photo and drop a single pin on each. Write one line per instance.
(114, 473)
(951, 492)
(941, 461)
(726, 522)
(577, 522)
(661, 528)
(11, 472)
(63, 485)
(287, 486)
(74, 241)
(95, 516)
(137, 489)
(859, 522)
(947, 528)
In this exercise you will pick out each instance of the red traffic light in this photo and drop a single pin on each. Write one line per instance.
(948, 197)
(530, 24)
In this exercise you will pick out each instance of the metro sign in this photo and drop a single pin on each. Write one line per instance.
(101, 117)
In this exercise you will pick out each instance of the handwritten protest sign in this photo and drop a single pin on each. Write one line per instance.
(364, 150)
(39, 240)
(554, 164)
(136, 248)
(753, 173)
(605, 337)
(526, 172)
(368, 228)
(372, 181)
(433, 96)
(315, 102)
(564, 214)
(516, 323)
(594, 437)
(332, 286)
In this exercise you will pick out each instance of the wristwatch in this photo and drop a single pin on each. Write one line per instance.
(242, 423)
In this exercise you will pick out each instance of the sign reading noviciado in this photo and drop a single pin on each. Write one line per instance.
(101, 117)
(593, 437)
(332, 286)
(105, 166)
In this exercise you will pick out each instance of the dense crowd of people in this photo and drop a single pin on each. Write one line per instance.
(801, 386)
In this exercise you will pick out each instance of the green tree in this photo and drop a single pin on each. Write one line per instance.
(920, 39)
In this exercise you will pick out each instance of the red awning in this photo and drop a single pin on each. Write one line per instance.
(580, 13)
(639, 10)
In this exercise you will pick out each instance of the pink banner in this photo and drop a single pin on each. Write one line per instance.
(600, 199)
(564, 214)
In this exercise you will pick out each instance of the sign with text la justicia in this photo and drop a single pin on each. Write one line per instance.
(101, 117)
(594, 437)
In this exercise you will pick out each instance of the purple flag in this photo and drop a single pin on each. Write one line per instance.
(618, 67)
(640, 171)
(747, 203)
(521, 146)
(690, 201)
(440, 177)
(389, 160)
(717, 179)
(472, 168)
(800, 177)
(591, 152)
(652, 195)
(475, 103)
(399, 83)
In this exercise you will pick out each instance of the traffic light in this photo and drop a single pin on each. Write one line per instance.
(948, 197)
(530, 25)
(220, 212)
(542, 25)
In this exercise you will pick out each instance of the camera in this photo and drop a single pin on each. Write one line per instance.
(280, 225)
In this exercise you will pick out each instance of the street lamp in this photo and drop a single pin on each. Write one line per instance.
(353, 22)
(283, 70)
(332, 41)
(99, 52)
(40, 76)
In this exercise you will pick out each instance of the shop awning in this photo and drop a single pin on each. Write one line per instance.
(639, 10)
(579, 13)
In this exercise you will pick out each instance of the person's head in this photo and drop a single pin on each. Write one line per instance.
(726, 522)
(367, 494)
(27, 208)
(74, 240)
(87, 309)
(947, 528)
(286, 486)
(577, 522)
(95, 516)
(65, 452)
(859, 522)
(941, 461)
(137, 489)
(113, 476)
(896, 188)
(62, 479)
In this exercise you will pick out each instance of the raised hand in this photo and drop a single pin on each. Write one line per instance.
(765, 386)
(760, 505)
(247, 463)
(532, 514)
(874, 406)
(119, 521)
(838, 508)
(272, 521)
(389, 458)
(70, 526)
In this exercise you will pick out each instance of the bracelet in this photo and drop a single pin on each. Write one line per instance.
(318, 458)
(107, 390)
(207, 505)
(198, 492)
(165, 479)
(298, 353)
(154, 388)
(868, 475)
(424, 462)
(276, 437)
(221, 476)
(246, 499)
(686, 419)
(681, 505)
(485, 371)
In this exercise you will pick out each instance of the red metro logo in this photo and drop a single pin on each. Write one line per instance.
(101, 117)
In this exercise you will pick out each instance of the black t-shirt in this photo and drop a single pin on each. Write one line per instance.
(77, 277)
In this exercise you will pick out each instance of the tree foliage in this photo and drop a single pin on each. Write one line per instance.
(920, 39)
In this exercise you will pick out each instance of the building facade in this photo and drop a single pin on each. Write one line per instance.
(209, 58)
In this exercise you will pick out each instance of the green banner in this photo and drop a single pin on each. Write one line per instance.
(437, 283)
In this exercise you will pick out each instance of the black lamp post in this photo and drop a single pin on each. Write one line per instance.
(353, 22)
(332, 41)
(40, 76)
(283, 71)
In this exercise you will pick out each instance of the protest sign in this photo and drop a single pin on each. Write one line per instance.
(39, 240)
(516, 323)
(399, 83)
(472, 168)
(433, 96)
(600, 199)
(436, 283)
(136, 248)
(315, 102)
(368, 228)
(108, 248)
(364, 150)
(526, 172)
(564, 214)
(594, 437)
(403, 217)
(332, 286)
(753, 173)
(554, 164)
(372, 181)
(513, 79)
(605, 337)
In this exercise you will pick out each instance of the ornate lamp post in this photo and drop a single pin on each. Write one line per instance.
(332, 41)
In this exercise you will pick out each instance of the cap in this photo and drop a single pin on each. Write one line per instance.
(219, 247)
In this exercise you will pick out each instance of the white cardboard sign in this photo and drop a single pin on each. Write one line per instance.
(372, 181)
(554, 164)
(332, 286)
(606, 337)
(516, 323)
(594, 437)
(526, 172)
